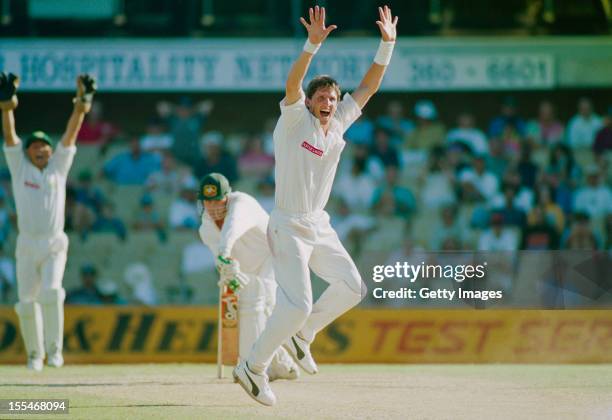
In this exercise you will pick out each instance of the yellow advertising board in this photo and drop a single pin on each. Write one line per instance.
(123, 334)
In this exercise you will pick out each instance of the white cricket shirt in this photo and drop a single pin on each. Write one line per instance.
(243, 236)
(306, 158)
(40, 196)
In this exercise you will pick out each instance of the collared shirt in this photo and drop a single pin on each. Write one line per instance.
(243, 235)
(306, 157)
(40, 196)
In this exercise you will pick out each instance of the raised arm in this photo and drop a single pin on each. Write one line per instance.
(8, 102)
(317, 32)
(86, 87)
(371, 81)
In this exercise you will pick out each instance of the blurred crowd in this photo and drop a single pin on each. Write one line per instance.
(518, 182)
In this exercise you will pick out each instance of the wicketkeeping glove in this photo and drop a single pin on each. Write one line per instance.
(87, 88)
(8, 86)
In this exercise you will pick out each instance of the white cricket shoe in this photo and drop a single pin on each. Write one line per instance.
(35, 364)
(254, 384)
(283, 371)
(299, 349)
(55, 360)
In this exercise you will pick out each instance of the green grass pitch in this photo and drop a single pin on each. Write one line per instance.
(191, 391)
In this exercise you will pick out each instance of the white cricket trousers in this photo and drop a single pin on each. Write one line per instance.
(40, 270)
(297, 242)
(256, 302)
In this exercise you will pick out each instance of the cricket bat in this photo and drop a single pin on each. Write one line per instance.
(227, 331)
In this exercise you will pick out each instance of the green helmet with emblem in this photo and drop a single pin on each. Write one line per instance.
(214, 186)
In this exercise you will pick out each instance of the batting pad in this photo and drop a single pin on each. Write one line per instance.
(30, 322)
(52, 303)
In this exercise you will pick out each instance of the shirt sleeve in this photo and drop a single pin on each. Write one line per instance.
(15, 157)
(294, 113)
(347, 112)
(239, 220)
(62, 158)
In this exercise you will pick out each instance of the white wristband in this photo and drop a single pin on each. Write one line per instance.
(311, 48)
(383, 55)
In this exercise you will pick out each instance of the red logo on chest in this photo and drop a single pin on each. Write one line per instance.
(311, 148)
(32, 185)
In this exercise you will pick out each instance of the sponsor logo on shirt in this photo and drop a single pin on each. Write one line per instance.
(311, 148)
(31, 185)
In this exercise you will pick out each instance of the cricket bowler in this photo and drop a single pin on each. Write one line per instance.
(38, 178)
(307, 146)
(234, 229)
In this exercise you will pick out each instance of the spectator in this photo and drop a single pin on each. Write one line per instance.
(553, 214)
(157, 138)
(527, 169)
(169, 178)
(449, 226)
(95, 129)
(356, 188)
(469, 135)
(132, 167)
(374, 166)
(78, 218)
(477, 183)
(185, 122)
(437, 183)
(498, 237)
(6, 214)
(539, 234)
(512, 214)
(196, 258)
(7, 275)
(87, 194)
(583, 126)
(595, 198)
(87, 294)
(109, 292)
(255, 162)
(563, 174)
(523, 196)
(497, 161)
(265, 193)
(214, 158)
(107, 221)
(546, 130)
(395, 123)
(361, 131)
(429, 132)
(147, 218)
(384, 150)
(580, 236)
(139, 280)
(603, 138)
(403, 199)
(351, 227)
(508, 119)
(183, 210)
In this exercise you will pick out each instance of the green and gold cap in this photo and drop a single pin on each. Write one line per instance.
(214, 186)
(38, 136)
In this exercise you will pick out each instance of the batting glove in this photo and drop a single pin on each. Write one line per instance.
(227, 266)
(234, 283)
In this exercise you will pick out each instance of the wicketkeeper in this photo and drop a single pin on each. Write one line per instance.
(38, 178)
(234, 228)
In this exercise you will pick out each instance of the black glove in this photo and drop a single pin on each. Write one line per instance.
(89, 86)
(8, 86)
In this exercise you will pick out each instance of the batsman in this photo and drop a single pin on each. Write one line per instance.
(234, 229)
(308, 141)
(38, 179)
